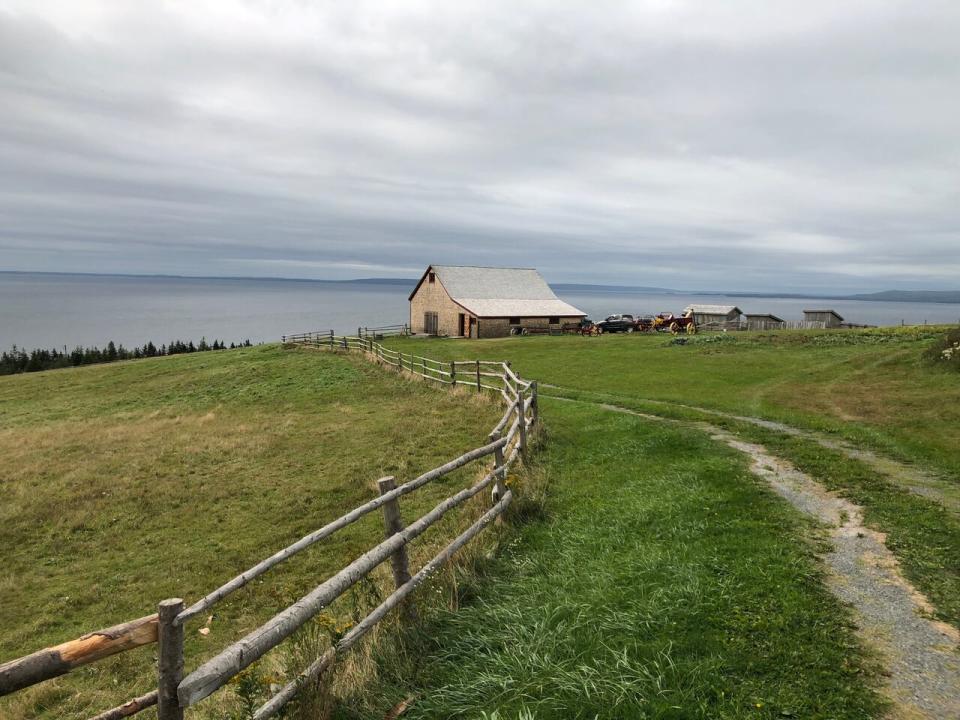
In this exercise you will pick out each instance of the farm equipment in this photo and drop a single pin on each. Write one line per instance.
(585, 327)
(675, 324)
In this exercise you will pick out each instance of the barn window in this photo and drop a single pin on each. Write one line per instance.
(432, 278)
(554, 321)
(514, 321)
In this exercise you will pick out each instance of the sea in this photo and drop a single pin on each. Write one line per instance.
(57, 310)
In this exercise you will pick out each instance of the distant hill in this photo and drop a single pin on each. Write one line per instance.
(925, 296)
(584, 287)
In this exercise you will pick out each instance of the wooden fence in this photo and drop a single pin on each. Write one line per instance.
(176, 691)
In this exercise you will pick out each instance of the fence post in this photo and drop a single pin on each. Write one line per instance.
(522, 419)
(534, 402)
(170, 664)
(478, 376)
(499, 488)
(392, 524)
(453, 372)
(345, 343)
(359, 332)
(331, 339)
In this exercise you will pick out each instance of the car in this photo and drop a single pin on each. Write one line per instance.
(618, 323)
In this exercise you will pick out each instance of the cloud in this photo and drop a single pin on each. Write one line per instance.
(740, 145)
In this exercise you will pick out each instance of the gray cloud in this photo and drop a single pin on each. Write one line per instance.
(723, 145)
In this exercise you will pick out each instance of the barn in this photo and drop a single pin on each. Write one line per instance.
(714, 314)
(482, 302)
(763, 321)
(822, 318)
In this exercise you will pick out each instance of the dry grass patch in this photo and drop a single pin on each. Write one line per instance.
(129, 483)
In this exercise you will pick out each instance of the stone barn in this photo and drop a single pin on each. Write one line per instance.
(483, 302)
(822, 318)
(714, 314)
(761, 321)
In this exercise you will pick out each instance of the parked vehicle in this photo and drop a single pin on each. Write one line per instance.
(618, 323)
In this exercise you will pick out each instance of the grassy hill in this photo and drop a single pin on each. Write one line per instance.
(868, 385)
(663, 578)
(129, 483)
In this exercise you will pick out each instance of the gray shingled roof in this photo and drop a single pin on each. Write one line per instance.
(713, 309)
(502, 292)
(833, 312)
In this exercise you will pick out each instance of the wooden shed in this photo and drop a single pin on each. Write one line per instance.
(763, 321)
(482, 302)
(822, 318)
(714, 314)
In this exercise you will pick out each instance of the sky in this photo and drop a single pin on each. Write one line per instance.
(790, 146)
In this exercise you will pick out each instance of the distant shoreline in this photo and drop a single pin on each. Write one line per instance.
(949, 297)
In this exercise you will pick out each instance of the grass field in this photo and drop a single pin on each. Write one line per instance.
(868, 385)
(667, 582)
(663, 580)
(129, 483)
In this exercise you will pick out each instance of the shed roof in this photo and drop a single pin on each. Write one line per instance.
(768, 316)
(713, 309)
(500, 292)
(832, 312)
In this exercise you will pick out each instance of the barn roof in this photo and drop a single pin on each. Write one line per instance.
(769, 316)
(500, 292)
(713, 309)
(832, 312)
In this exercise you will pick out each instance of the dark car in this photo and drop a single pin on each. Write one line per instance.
(618, 323)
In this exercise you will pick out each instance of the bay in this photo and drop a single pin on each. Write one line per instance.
(53, 310)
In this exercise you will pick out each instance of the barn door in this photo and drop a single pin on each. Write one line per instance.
(462, 325)
(430, 323)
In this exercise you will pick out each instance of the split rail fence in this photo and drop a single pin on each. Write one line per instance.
(177, 691)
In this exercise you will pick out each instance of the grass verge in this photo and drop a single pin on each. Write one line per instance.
(665, 582)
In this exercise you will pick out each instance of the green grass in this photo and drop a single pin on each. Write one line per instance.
(921, 532)
(662, 580)
(129, 483)
(870, 386)
(667, 582)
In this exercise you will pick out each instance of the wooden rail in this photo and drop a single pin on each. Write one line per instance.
(176, 692)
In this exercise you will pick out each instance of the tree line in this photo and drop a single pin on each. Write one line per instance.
(19, 360)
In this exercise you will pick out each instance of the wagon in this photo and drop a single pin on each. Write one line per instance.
(675, 324)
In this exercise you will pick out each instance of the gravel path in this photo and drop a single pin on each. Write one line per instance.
(921, 655)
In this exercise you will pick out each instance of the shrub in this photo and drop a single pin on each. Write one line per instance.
(946, 352)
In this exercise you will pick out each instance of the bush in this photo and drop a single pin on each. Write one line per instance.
(946, 352)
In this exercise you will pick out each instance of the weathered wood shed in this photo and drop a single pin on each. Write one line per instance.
(822, 318)
(485, 302)
(763, 321)
(714, 314)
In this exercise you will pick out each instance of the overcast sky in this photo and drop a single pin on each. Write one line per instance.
(810, 145)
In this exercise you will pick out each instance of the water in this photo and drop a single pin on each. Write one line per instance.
(39, 310)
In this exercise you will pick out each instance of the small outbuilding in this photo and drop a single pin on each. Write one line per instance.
(482, 302)
(763, 321)
(714, 314)
(822, 318)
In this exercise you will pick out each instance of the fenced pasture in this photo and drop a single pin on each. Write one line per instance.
(177, 689)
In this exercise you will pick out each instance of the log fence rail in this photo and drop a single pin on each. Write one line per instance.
(176, 691)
